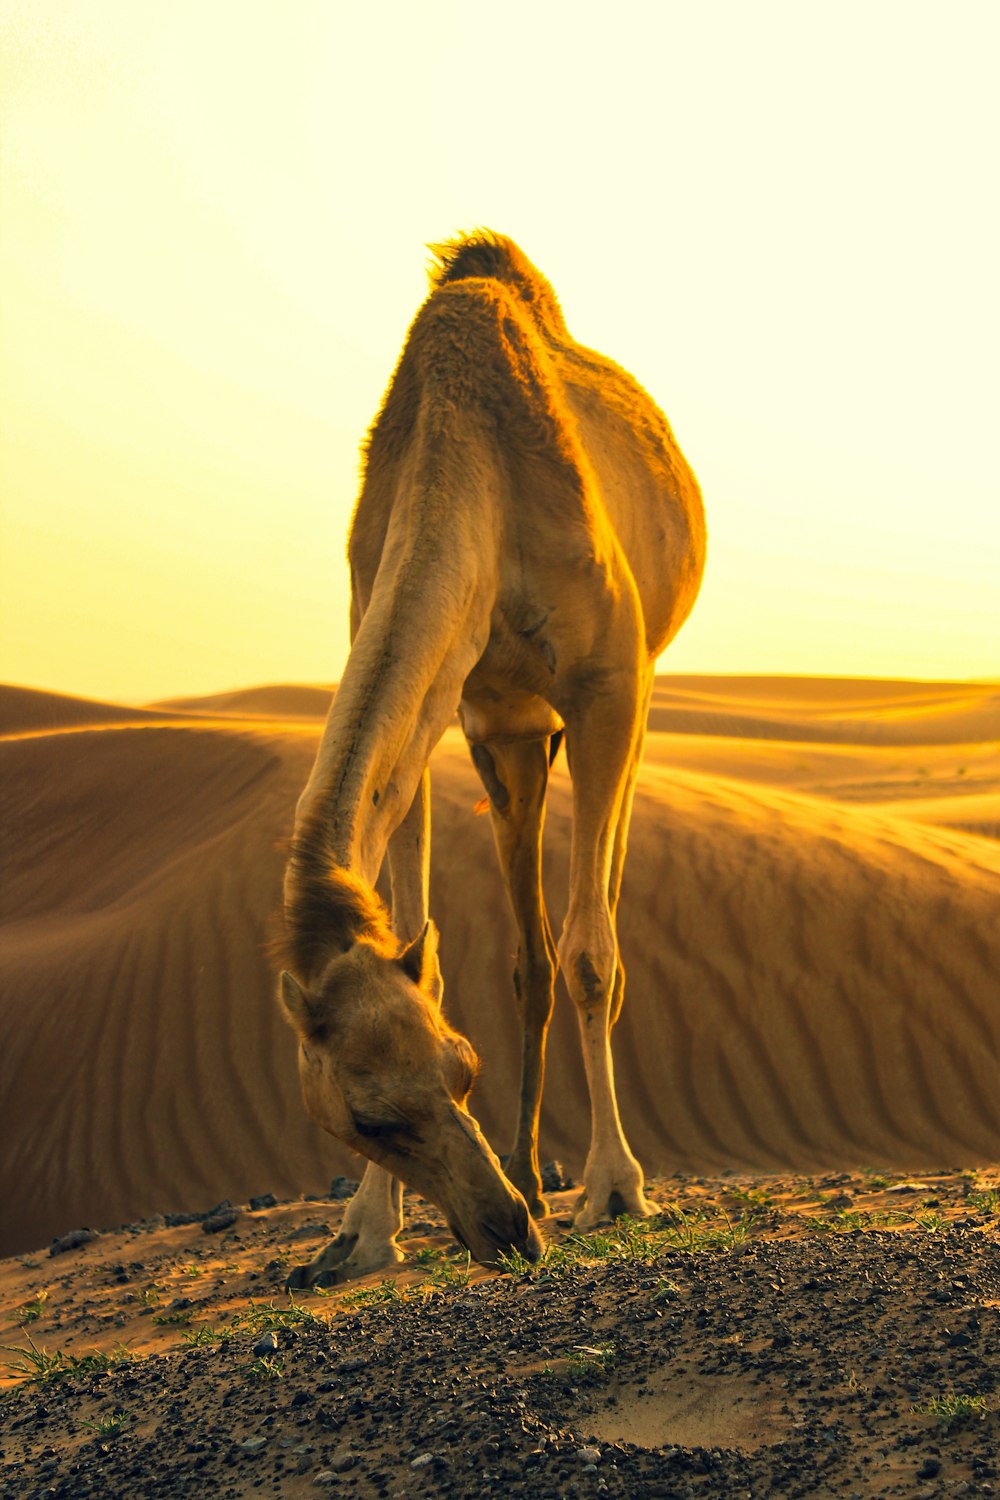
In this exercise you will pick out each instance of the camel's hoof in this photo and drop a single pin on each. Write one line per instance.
(609, 1205)
(343, 1260)
(322, 1271)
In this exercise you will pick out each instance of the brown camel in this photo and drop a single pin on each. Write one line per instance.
(527, 540)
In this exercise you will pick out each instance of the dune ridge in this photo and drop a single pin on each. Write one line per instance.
(811, 942)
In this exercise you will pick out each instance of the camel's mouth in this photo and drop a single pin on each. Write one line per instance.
(490, 1243)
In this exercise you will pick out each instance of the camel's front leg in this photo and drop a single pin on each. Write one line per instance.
(515, 776)
(367, 1238)
(374, 1216)
(601, 737)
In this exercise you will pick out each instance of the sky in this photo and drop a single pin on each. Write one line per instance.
(781, 217)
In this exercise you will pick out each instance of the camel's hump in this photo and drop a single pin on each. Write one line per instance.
(484, 254)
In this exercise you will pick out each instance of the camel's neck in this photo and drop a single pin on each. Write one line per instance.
(424, 629)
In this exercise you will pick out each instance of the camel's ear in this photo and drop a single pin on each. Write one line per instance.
(420, 961)
(295, 1002)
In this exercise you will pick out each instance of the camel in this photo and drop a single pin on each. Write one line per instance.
(527, 539)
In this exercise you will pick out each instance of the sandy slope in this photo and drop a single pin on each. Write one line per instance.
(767, 1336)
(810, 927)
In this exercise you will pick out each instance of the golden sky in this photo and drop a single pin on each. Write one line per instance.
(781, 217)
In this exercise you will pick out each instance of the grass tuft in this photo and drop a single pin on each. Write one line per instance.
(952, 1411)
(37, 1366)
(108, 1427)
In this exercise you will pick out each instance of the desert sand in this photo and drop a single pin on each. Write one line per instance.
(810, 928)
(776, 1337)
(810, 925)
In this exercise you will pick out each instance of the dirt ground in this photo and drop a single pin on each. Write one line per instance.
(762, 1336)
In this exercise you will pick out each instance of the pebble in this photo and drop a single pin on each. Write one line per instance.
(254, 1444)
(341, 1462)
(265, 1346)
(325, 1476)
(589, 1455)
(421, 1461)
(263, 1200)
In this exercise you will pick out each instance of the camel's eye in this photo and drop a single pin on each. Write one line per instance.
(376, 1130)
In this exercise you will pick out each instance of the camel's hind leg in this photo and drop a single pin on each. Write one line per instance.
(516, 776)
(603, 738)
(621, 842)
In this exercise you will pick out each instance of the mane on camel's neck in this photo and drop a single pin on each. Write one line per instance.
(329, 909)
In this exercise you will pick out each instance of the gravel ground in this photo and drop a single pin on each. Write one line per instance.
(761, 1337)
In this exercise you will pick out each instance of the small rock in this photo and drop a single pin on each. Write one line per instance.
(254, 1444)
(263, 1200)
(341, 1462)
(266, 1346)
(589, 1455)
(421, 1461)
(929, 1469)
(555, 1179)
(325, 1476)
(73, 1240)
(219, 1218)
(343, 1187)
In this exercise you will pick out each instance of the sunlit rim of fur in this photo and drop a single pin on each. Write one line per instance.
(484, 253)
(333, 908)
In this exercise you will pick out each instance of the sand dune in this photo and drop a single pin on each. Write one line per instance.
(278, 701)
(28, 711)
(809, 927)
(828, 710)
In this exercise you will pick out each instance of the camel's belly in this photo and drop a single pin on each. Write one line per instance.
(495, 712)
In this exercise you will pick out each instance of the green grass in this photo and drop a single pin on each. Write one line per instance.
(376, 1296)
(37, 1366)
(268, 1368)
(642, 1240)
(952, 1411)
(849, 1219)
(590, 1360)
(182, 1317)
(984, 1200)
(108, 1427)
(445, 1271)
(32, 1311)
(254, 1320)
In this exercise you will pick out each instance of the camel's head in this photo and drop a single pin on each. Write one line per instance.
(383, 1071)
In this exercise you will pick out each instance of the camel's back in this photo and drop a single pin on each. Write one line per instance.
(491, 340)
